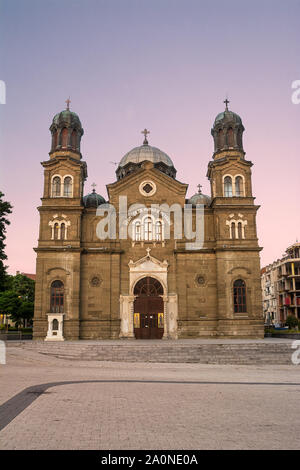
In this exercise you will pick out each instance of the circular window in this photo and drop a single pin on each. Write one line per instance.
(200, 279)
(95, 281)
(147, 188)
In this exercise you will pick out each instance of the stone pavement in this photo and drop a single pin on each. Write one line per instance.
(113, 405)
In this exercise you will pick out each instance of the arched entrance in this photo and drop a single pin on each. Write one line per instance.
(148, 309)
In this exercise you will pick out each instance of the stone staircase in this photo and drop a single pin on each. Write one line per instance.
(249, 352)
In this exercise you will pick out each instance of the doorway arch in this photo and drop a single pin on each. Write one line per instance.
(148, 309)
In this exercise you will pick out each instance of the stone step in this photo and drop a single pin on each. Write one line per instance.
(173, 352)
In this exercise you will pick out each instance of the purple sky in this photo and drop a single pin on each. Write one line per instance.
(162, 64)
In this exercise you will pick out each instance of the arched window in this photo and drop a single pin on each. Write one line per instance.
(230, 137)
(239, 190)
(56, 186)
(55, 325)
(137, 231)
(68, 186)
(54, 140)
(148, 286)
(158, 230)
(240, 230)
(74, 139)
(220, 139)
(239, 296)
(62, 231)
(228, 186)
(148, 228)
(57, 297)
(56, 232)
(232, 228)
(64, 137)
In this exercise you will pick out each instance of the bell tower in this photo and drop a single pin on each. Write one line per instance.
(236, 242)
(59, 243)
(66, 132)
(229, 173)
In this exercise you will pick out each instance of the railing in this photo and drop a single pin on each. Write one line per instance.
(14, 336)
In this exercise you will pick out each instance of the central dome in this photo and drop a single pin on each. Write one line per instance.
(134, 158)
(146, 152)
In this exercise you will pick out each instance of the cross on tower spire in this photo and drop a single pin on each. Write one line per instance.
(145, 132)
(226, 103)
(68, 101)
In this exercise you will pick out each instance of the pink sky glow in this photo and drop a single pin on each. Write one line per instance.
(166, 65)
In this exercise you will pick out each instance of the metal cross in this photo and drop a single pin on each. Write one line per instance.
(226, 103)
(93, 186)
(199, 186)
(68, 101)
(145, 132)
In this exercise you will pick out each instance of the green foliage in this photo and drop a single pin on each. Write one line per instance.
(291, 322)
(19, 309)
(5, 209)
(24, 313)
(23, 286)
(9, 302)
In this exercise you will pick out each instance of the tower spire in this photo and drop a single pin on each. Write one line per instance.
(68, 101)
(226, 103)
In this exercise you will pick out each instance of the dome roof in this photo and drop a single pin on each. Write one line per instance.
(228, 116)
(67, 117)
(200, 198)
(146, 152)
(93, 200)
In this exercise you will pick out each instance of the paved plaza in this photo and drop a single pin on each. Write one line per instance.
(52, 403)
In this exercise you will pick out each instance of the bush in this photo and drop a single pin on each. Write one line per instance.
(291, 322)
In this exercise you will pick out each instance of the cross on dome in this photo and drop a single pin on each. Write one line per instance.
(68, 101)
(145, 132)
(226, 103)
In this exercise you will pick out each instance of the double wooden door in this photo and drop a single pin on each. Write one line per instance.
(148, 309)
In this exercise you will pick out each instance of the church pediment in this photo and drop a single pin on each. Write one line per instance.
(147, 172)
(148, 264)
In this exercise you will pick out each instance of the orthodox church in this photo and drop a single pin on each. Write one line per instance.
(144, 278)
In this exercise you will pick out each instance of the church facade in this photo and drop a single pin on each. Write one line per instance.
(124, 267)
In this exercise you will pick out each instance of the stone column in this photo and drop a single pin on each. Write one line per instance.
(166, 325)
(172, 308)
(126, 316)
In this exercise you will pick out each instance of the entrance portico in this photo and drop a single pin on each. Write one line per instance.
(149, 267)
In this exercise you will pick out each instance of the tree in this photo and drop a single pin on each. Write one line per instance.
(25, 312)
(10, 303)
(291, 322)
(23, 286)
(5, 209)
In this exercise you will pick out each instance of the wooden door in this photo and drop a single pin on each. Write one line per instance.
(148, 305)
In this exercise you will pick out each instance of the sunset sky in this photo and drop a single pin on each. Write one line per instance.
(162, 64)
